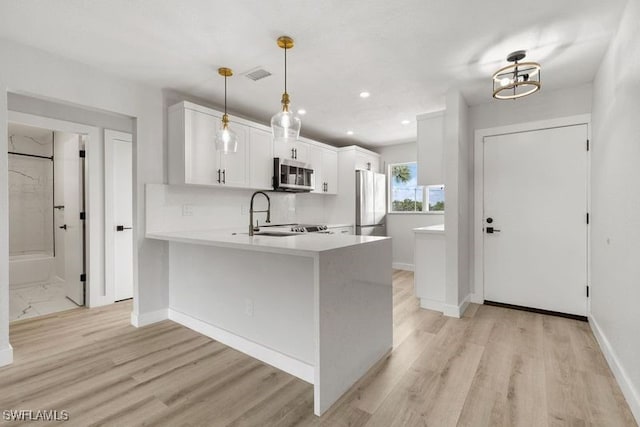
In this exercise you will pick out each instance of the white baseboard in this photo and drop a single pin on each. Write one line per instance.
(274, 358)
(456, 310)
(403, 266)
(476, 299)
(6, 355)
(144, 319)
(630, 393)
(432, 304)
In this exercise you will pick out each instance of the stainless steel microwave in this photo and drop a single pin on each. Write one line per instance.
(292, 175)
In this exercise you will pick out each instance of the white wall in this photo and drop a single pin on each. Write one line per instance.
(30, 191)
(400, 226)
(543, 105)
(458, 209)
(615, 231)
(31, 71)
(213, 208)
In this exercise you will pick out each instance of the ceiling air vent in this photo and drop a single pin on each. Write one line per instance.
(257, 74)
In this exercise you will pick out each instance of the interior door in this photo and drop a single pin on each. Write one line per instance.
(535, 219)
(119, 214)
(123, 216)
(73, 225)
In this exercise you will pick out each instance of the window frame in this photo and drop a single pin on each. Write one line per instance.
(424, 189)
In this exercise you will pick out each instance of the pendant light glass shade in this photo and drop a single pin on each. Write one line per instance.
(226, 139)
(284, 124)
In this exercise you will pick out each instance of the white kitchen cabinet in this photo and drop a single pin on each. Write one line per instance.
(367, 161)
(324, 161)
(430, 284)
(430, 148)
(233, 166)
(330, 171)
(260, 159)
(297, 150)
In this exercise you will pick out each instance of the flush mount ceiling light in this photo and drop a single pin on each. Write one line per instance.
(364, 94)
(284, 125)
(405, 122)
(302, 112)
(518, 79)
(349, 132)
(226, 139)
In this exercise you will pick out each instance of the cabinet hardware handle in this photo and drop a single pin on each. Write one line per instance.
(218, 176)
(224, 176)
(368, 166)
(295, 153)
(293, 156)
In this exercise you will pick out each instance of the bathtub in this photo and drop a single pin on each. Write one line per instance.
(31, 268)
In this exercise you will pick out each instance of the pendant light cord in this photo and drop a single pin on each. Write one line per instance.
(225, 95)
(285, 70)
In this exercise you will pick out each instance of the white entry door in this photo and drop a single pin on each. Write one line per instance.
(72, 175)
(535, 219)
(119, 213)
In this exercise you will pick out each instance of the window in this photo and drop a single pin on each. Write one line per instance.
(407, 196)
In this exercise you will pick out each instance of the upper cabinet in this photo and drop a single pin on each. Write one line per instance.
(193, 158)
(324, 161)
(297, 150)
(430, 148)
(367, 160)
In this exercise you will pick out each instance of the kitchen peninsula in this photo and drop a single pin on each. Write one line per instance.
(318, 306)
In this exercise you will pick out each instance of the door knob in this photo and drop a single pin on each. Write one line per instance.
(64, 227)
(122, 228)
(491, 230)
(489, 220)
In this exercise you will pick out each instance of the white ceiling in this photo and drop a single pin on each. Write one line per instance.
(406, 53)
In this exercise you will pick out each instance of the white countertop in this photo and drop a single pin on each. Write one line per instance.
(302, 244)
(431, 229)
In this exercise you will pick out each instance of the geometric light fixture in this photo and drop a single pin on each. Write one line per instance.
(517, 79)
(284, 125)
(226, 139)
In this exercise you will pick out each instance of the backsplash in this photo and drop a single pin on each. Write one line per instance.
(177, 207)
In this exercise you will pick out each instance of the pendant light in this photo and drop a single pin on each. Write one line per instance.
(518, 79)
(226, 139)
(284, 125)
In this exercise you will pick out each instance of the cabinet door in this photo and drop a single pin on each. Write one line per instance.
(314, 153)
(301, 151)
(364, 161)
(282, 149)
(330, 171)
(234, 165)
(260, 159)
(201, 158)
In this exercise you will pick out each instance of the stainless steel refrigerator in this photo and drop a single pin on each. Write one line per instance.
(371, 203)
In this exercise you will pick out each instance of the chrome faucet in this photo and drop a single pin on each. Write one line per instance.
(251, 212)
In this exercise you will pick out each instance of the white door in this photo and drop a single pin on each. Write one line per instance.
(535, 202)
(73, 225)
(119, 215)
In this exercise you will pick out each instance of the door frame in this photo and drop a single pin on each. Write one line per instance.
(93, 192)
(478, 197)
(109, 224)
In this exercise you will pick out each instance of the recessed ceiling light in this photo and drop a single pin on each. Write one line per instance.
(302, 111)
(364, 94)
(405, 122)
(349, 132)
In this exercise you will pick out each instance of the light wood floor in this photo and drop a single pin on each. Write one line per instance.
(494, 367)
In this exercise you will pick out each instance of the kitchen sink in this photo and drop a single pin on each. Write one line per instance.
(272, 233)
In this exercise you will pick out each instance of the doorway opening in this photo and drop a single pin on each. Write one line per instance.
(47, 234)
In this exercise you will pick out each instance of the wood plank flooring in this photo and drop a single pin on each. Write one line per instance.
(494, 367)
